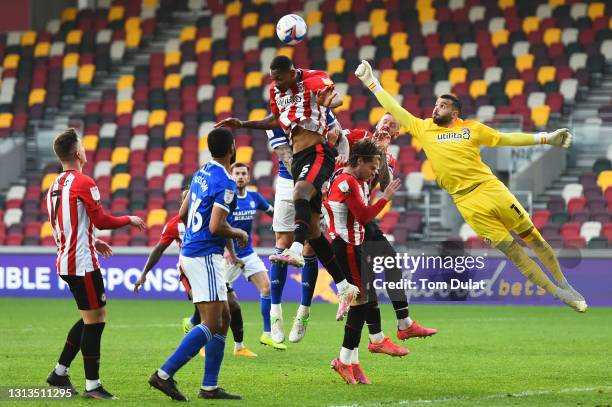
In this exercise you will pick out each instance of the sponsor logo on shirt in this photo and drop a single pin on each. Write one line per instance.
(288, 100)
(95, 193)
(228, 197)
(451, 136)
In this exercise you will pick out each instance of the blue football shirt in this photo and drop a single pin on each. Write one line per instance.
(211, 186)
(242, 217)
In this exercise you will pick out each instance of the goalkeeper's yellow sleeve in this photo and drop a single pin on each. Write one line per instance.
(412, 124)
(519, 139)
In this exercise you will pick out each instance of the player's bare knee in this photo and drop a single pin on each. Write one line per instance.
(224, 320)
(264, 288)
(284, 240)
(101, 314)
(308, 250)
(303, 190)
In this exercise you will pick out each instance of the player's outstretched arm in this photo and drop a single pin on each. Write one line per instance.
(366, 75)
(558, 138)
(152, 260)
(268, 123)
(365, 214)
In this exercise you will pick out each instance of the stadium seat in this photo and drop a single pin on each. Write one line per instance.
(590, 230)
(47, 180)
(466, 232)
(12, 217)
(414, 184)
(571, 191)
(120, 181)
(172, 155)
(604, 180)
(575, 242)
(156, 217)
(540, 115)
(244, 154)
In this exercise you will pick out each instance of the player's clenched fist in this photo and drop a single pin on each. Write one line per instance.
(559, 138)
(231, 122)
(242, 238)
(365, 74)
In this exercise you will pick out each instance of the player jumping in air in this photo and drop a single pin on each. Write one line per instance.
(212, 197)
(452, 146)
(283, 226)
(299, 100)
(387, 130)
(174, 231)
(253, 269)
(73, 204)
(346, 213)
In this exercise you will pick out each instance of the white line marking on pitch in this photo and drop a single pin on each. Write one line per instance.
(528, 393)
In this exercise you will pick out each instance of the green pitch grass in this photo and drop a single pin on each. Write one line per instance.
(483, 355)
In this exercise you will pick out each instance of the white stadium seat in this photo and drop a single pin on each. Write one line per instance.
(414, 184)
(262, 168)
(16, 192)
(173, 181)
(571, 191)
(589, 230)
(102, 169)
(12, 216)
(139, 142)
(466, 232)
(155, 169)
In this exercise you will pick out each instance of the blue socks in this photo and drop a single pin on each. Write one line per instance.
(310, 272)
(265, 302)
(212, 363)
(198, 337)
(278, 276)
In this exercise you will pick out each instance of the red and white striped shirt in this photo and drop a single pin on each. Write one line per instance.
(298, 106)
(173, 231)
(73, 204)
(346, 208)
(356, 135)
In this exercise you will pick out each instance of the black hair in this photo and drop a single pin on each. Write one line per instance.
(281, 63)
(455, 101)
(366, 149)
(220, 142)
(65, 144)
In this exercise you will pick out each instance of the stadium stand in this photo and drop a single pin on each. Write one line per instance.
(148, 135)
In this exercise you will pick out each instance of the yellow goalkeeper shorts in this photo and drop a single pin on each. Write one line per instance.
(492, 211)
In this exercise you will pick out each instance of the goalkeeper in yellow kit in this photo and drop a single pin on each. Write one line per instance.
(452, 146)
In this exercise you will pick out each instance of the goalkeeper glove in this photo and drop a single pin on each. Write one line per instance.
(365, 75)
(558, 138)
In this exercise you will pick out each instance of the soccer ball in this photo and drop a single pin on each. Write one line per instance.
(291, 29)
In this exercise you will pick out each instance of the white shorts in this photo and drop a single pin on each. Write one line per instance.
(252, 265)
(283, 219)
(206, 277)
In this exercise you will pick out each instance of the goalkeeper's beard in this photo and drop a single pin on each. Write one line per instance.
(442, 120)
